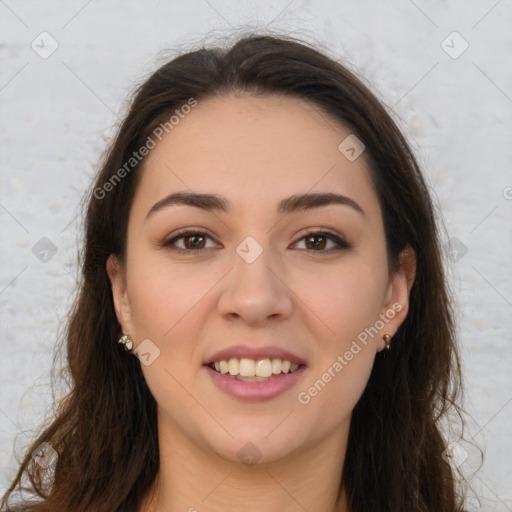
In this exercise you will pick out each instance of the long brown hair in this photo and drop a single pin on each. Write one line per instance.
(104, 430)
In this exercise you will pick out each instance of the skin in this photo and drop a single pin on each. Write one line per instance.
(259, 151)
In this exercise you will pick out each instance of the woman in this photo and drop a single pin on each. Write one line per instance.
(261, 242)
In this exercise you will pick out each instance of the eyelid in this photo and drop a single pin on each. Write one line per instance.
(321, 231)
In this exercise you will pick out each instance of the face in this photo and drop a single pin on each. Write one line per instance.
(265, 278)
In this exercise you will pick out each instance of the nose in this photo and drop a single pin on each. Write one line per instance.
(255, 292)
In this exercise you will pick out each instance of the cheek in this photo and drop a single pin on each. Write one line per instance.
(162, 297)
(348, 302)
(167, 305)
(170, 305)
(347, 299)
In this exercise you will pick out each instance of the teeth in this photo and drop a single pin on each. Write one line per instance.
(263, 368)
(247, 368)
(254, 370)
(276, 366)
(224, 367)
(233, 366)
(251, 379)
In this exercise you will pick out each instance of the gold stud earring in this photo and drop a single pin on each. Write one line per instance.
(387, 340)
(127, 342)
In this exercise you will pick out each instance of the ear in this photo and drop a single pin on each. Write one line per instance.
(117, 275)
(396, 303)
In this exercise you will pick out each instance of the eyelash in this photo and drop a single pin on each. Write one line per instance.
(341, 243)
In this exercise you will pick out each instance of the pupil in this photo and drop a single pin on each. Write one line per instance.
(316, 237)
(195, 238)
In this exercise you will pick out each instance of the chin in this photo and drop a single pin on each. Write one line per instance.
(258, 445)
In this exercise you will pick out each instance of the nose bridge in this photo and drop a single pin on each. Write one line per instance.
(254, 261)
(254, 291)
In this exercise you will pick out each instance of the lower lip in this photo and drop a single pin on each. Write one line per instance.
(256, 391)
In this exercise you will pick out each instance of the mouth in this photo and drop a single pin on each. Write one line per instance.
(254, 370)
(251, 373)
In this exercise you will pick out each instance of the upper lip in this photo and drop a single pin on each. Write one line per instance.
(256, 353)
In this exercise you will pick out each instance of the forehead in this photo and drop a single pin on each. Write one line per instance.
(255, 151)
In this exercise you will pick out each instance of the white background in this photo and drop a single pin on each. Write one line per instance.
(56, 115)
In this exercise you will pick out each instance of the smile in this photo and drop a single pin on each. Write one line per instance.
(253, 370)
(254, 388)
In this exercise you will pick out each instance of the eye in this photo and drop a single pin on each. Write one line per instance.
(315, 241)
(194, 241)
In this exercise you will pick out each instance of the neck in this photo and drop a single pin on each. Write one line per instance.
(193, 480)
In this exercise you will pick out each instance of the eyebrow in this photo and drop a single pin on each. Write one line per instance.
(214, 202)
